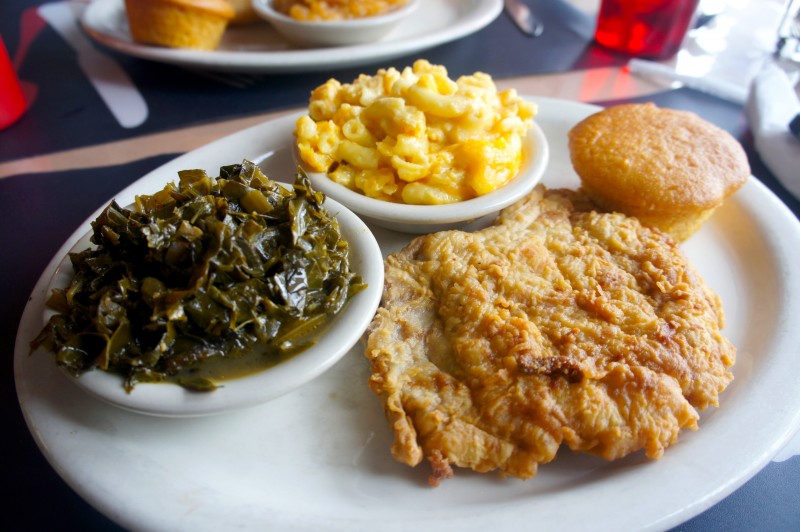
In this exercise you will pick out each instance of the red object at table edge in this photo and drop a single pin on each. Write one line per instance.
(12, 101)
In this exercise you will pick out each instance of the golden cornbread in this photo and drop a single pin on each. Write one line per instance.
(197, 24)
(668, 168)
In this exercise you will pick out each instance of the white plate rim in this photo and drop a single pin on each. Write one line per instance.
(627, 501)
(474, 16)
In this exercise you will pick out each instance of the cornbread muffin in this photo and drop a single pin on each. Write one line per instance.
(668, 168)
(197, 24)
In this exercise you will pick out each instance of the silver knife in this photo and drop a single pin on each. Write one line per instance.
(521, 14)
(111, 82)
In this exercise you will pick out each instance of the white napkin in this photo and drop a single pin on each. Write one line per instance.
(771, 106)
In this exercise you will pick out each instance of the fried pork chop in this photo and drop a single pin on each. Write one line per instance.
(556, 325)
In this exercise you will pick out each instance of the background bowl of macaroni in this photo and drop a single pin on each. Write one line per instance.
(422, 219)
(313, 24)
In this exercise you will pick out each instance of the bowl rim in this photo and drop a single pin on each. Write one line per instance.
(264, 7)
(536, 157)
(341, 334)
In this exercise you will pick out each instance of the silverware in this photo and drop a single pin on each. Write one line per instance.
(522, 16)
(108, 78)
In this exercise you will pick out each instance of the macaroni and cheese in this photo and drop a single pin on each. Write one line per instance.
(315, 10)
(415, 136)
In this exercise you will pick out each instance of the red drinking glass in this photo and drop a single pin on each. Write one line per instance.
(12, 101)
(644, 28)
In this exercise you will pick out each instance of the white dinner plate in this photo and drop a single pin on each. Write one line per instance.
(259, 48)
(318, 458)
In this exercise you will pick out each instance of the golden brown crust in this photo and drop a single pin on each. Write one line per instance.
(179, 23)
(557, 325)
(664, 166)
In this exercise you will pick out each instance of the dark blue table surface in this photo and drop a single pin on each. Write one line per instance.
(40, 211)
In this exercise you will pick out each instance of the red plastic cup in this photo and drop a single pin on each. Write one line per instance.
(644, 28)
(12, 101)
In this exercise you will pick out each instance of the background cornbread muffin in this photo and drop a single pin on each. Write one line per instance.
(668, 168)
(197, 24)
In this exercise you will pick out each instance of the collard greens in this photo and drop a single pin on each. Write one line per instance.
(210, 269)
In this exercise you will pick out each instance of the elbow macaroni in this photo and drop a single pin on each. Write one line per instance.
(316, 10)
(415, 136)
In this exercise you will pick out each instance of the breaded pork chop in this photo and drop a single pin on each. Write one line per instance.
(556, 325)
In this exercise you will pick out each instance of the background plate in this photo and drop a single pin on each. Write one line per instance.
(318, 458)
(259, 48)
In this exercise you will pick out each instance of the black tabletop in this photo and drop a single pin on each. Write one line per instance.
(41, 210)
